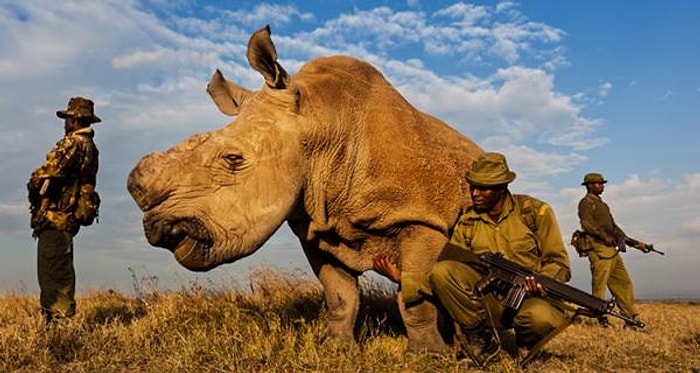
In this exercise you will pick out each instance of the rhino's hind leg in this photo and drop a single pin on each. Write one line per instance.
(421, 322)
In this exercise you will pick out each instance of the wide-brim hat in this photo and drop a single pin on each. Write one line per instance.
(79, 107)
(593, 177)
(490, 169)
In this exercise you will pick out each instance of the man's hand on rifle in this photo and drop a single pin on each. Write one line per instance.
(639, 245)
(387, 268)
(533, 288)
(642, 247)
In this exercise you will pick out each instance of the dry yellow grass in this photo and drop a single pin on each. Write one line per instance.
(275, 324)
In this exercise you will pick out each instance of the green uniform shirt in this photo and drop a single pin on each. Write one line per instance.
(542, 251)
(596, 219)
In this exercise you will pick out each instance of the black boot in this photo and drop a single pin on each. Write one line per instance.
(481, 344)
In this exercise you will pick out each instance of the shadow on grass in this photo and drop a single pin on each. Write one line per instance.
(111, 307)
(63, 341)
(124, 314)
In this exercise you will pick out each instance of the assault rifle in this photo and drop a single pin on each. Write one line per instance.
(507, 278)
(622, 241)
(646, 248)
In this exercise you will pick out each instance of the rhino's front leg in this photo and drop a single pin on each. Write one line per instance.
(341, 292)
(420, 247)
(339, 286)
(342, 299)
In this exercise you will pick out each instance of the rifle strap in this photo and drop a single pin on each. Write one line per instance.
(527, 211)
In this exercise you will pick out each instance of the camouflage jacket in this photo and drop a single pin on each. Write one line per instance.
(596, 219)
(55, 186)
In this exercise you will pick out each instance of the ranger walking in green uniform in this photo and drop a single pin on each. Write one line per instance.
(525, 231)
(607, 269)
(62, 198)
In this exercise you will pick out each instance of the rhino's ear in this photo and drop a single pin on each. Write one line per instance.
(227, 96)
(262, 56)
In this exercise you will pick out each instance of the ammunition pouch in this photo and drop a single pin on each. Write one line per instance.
(88, 205)
(581, 242)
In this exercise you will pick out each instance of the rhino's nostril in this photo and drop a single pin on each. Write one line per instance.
(162, 233)
(154, 232)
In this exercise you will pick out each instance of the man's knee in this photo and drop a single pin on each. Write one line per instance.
(450, 273)
(441, 273)
(539, 317)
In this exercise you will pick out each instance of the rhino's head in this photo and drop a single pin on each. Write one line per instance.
(218, 196)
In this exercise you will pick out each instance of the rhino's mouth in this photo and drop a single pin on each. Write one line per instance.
(187, 238)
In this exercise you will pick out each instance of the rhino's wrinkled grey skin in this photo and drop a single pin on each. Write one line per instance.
(337, 153)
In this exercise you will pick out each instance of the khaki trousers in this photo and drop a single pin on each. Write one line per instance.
(455, 285)
(608, 271)
(56, 274)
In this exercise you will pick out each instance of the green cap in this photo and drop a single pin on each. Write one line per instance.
(489, 170)
(79, 107)
(593, 177)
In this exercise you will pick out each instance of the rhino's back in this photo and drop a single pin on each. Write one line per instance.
(399, 164)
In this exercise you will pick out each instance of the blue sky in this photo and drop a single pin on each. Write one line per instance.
(561, 87)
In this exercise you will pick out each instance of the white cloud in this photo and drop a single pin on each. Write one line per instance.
(263, 13)
(16, 210)
(666, 96)
(470, 32)
(505, 6)
(604, 90)
(465, 14)
(413, 3)
(138, 58)
(692, 226)
(519, 104)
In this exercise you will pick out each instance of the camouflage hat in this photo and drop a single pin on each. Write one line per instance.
(489, 170)
(79, 107)
(593, 177)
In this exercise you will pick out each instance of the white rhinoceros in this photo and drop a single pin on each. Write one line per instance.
(337, 153)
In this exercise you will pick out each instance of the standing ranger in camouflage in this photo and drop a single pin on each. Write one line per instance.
(525, 231)
(605, 237)
(62, 198)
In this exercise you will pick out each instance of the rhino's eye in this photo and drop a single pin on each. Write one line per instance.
(235, 162)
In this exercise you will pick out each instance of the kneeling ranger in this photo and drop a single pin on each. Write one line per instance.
(525, 231)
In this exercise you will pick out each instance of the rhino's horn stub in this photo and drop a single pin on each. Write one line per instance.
(262, 56)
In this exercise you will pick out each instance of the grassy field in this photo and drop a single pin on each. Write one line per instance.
(275, 323)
